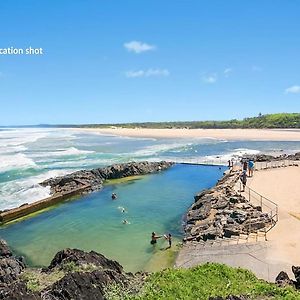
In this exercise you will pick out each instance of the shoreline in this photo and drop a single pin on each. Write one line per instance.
(292, 135)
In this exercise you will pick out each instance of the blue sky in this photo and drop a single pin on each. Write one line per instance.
(127, 61)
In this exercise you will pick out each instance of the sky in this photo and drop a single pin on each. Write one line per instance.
(135, 61)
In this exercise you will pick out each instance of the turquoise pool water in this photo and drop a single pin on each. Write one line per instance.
(94, 222)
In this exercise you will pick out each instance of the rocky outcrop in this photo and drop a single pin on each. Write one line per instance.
(283, 279)
(268, 158)
(80, 283)
(223, 212)
(10, 266)
(93, 179)
(86, 286)
(81, 258)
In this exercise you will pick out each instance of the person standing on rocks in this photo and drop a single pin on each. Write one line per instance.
(243, 179)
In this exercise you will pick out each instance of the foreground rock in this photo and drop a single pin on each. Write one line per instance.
(222, 212)
(94, 179)
(283, 279)
(85, 276)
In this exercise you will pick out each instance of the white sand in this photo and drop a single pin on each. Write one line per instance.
(227, 134)
(282, 186)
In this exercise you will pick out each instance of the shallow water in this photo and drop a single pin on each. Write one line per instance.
(94, 222)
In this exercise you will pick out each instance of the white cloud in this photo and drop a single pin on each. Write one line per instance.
(210, 78)
(138, 47)
(227, 72)
(147, 73)
(295, 89)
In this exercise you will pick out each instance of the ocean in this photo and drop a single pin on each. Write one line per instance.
(29, 156)
(154, 202)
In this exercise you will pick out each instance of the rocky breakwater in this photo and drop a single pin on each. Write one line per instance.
(72, 274)
(94, 179)
(222, 212)
(268, 158)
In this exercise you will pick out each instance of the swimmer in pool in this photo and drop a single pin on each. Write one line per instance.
(122, 209)
(154, 238)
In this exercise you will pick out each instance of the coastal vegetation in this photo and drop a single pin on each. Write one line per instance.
(279, 120)
(209, 280)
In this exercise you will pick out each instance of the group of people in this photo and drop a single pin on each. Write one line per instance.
(155, 237)
(247, 165)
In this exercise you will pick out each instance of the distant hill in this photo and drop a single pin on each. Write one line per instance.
(281, 120)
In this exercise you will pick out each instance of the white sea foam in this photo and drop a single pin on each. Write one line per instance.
(156, 149)
(62, 152)
(17, 192)
(223, 158)
(15, 161)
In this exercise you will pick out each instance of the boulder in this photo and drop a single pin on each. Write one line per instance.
(85, 286)
(10, 268)
(81, 258)
(283, 279)
(4, 249)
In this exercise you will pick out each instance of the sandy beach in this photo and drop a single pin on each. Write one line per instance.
(227, 134)
(282, 187)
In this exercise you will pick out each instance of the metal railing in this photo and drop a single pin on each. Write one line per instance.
(198, 161)
(267, 206)
(264, 165)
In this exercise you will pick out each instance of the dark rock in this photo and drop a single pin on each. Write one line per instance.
(85, 286)
(296, 271)
(92, 180)
(10, 269)
(80, 257)
(4, 249)
(231, 230)
(201, 194)
(283, 279)
(221, 204)
(200, 213)
(17, 291)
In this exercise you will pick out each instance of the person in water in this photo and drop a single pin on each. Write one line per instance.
(113, 196)
(169, 239)
(154, 238)
(125, 222)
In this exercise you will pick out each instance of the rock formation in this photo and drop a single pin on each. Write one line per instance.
(94, 178)
(223, 212)
(92, 273)
(283, 279)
